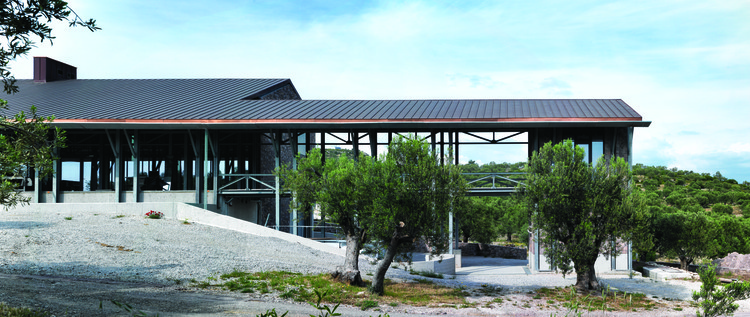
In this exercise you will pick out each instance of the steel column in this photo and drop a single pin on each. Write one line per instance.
(277, 163)
(118, 167)
(373, 144)
(293, 142)
(56, 176)
(355, 144)
(204, 190)
(134, 149)
(37, 186)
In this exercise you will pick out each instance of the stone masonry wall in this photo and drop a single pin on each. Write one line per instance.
(283, 93)
(495, 251)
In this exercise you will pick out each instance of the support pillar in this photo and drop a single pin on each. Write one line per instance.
(136, 165)
(450, 231)
(374, 144)
(355, 144)
(277, 164)
(80, 175)
(37, 186)
(195, 167)
(204, 192)
(115, 145)
(293, 141)
(118, 166)
(56, 176)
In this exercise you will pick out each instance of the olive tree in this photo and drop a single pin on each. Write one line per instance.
(25, 142)
(415, 194)
(340, 189)
(684, 235)
(479, 219)
(579, 207)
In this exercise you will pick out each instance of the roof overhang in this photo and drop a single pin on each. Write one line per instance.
(347, 125)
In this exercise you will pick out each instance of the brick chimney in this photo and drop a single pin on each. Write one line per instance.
(47, 70)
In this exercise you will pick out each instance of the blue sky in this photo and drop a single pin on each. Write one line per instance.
(685, 65)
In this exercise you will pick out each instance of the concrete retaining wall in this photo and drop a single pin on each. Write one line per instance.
(443, 264)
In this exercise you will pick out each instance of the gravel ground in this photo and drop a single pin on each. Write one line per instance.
(131, 257)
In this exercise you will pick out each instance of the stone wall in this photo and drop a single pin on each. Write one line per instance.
(284, 93)
(495, 251)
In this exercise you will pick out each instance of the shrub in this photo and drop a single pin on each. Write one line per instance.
(715, 300)
(722, 209)
(746, 208)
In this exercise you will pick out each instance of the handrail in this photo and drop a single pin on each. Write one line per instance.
(481, 181)
(485, 178)
(247, 178)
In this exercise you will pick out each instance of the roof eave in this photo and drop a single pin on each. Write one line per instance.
(339, 125)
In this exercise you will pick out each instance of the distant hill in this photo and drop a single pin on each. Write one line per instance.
(690, 191)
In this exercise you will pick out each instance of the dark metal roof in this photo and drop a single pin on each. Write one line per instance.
(223, 102)
(475, 110)
(135, 98)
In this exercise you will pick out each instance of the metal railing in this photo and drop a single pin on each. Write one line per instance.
(494, 180)
(247, 182)
(266, 183)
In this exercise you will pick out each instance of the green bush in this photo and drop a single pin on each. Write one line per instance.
(745, 208)
(721, 209)
(715, 299)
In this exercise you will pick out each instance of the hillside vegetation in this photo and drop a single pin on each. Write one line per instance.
(691, 216)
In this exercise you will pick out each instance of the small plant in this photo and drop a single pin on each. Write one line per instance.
(154, 214)
(68, 218)
(6, 310)
(118, 216)
(490, 289)
(271, 313)
(185, 222)
(325, 310)
(368, 303)
(714, 300)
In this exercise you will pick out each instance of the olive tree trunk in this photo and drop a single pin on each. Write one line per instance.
(586, 277)
(377, 286)
(349, 273)
(685, 262)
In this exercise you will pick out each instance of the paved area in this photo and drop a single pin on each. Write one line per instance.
(479, 265)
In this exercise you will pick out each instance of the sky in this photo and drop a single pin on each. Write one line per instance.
(683, 65)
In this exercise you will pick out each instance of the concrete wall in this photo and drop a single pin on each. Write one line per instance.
(100, 196)
(242, 208)
(602, 264)
(425, 263)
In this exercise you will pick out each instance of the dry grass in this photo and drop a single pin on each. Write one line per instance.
(604, 300)
(301, 287)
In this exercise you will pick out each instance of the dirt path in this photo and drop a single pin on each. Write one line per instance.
(83, 297)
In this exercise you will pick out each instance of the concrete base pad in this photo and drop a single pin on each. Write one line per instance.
(664, 273)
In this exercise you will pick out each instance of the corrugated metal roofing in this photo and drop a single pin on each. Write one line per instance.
(495, 109)
(136, 98)
(220, 100)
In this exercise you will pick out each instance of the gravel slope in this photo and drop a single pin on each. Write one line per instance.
(137, 249)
